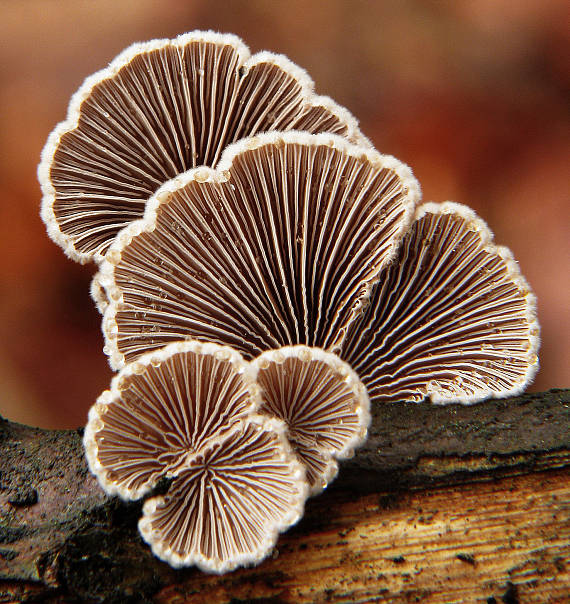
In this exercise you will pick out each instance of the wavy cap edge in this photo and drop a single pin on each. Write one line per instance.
(96, 412)
(71, 121)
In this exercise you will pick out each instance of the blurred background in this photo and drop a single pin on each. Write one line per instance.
(473, 95)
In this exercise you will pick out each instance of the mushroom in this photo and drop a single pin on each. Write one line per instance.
(161, 409)
(227, 507)
(323, 403)
(277, 246)
(187, 412)
(159, 109)
(451, 319)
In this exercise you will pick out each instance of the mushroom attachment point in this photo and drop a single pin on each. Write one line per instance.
(323, 403)
(278, 246)
(227, 507)
(451, 319)
(159, 109)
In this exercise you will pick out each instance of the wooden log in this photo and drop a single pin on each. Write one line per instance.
(442, 504)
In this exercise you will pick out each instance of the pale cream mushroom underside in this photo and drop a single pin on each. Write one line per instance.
(323, 403)
(277, 246)
(159, 109)
(188, 412)
(451, 319)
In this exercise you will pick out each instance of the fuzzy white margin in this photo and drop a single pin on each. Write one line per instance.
(478, 225)
(352, 381)
(295, 513)
(146, 363)
(105, 277)
(98, 294)
(246, 61)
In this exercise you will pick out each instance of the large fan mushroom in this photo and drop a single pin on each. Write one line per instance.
(278, 246)
(297, 239)
(187, 412)
(159, 109)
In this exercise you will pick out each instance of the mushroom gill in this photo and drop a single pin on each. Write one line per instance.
(451, 319)
(159, 109)
(278, 246)
(227, 507)
(321, 400)
(162, 409)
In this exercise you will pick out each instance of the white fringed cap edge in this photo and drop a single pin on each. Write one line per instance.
(352, 381)
(96, 414)
(160, 550)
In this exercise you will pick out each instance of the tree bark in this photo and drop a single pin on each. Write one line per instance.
(441, 504)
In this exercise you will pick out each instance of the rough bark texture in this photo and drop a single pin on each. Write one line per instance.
(442, 504)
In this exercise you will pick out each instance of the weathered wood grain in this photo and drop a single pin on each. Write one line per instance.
(443, 504)
(462, 543)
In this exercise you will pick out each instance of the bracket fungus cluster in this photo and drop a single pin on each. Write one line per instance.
(264, 276)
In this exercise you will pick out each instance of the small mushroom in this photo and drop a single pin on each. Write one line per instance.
(159, 109)
(227, 507)
(187, 412)
(277, 246)
(323, 403)
(451, 319)
(162, 409)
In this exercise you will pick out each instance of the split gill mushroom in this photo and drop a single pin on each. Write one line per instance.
(159, 109)
(323, 403)
(452, 319)
(264, 276)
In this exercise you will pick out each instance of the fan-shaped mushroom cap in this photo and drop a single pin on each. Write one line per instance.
(451, 319)
(278, 246)
(227, 507)
(163, 408)
(160, 109)
(323, 403)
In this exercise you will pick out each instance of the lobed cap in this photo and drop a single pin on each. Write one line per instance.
(159, 109)
(452, 319)
(323, 403)
(279, 245)
(162, 410)
(228, 506)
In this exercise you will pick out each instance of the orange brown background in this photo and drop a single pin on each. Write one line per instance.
(470, 94)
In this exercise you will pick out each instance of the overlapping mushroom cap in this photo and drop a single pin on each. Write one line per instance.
(451, 319)
(160, 109)
(188, 412)
(323, 403)
(277, 246)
